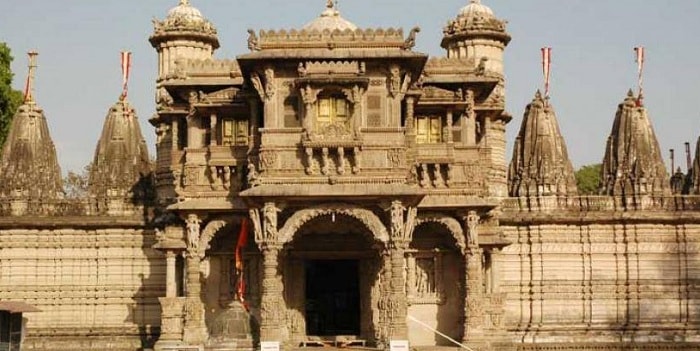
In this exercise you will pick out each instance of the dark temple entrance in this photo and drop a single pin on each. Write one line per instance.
(332, 297)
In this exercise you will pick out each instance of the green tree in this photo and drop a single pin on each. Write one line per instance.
(10, 99)
(588, 179)
(76, 184)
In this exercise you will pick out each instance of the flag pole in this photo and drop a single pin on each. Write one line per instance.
(126, 72)
(641, 59)
(546, 69)
(29, 86)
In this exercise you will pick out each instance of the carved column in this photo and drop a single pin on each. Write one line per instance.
(474, 302)
(448, 127)
(195, 327)
(171, 307)
(469, 121)
(170, 276)
(402, 225)
(272, 306)
(212, 130)
(175, 135)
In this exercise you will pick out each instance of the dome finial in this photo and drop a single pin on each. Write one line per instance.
(475, 1)
(330, 4)
(184, 2)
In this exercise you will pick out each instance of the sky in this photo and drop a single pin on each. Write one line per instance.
(79, 41)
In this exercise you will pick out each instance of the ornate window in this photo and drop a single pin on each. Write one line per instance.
(234, 132)
(332, 110)
(428, 129)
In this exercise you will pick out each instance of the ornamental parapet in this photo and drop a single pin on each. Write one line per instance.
(88, 207)
(189, 68)
(360, 38)
(601, 204)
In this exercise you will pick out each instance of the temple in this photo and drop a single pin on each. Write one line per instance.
(332, 187)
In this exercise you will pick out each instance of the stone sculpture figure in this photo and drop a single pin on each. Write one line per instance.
(472, 229)
(193, 230)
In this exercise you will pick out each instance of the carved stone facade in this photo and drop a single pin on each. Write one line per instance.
(334, 187)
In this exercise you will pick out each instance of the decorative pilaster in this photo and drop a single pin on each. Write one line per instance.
(195, 328)
(272, 306)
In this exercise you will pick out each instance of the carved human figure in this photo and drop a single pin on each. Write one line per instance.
(252, 40)
(269, 82)
(193, 231)
(397, 224)
(472, 228)
(270, 218)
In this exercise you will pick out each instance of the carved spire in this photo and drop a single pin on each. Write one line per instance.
(29, 167)
(121, 166)
(540, 164)
(633, 164)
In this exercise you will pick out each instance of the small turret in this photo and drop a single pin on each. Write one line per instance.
(477, 34)
(633, 164)
(184, 34)
(29, 167)
(540, 164)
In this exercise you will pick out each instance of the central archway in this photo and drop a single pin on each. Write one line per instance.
(331, 276)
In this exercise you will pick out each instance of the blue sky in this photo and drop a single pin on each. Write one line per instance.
(593, 62)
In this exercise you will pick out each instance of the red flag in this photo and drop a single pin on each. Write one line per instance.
(640, 59)
(126, 71)
(242, 242)
(546, 68)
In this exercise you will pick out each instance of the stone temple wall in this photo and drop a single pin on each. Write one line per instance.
(603, 277)
(97, 287)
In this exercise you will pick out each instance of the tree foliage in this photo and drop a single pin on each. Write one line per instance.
(588, 179)
(10, 99)
(76, 184)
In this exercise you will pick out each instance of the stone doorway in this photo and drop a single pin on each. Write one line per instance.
(332, 297)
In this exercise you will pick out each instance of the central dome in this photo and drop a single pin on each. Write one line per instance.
(185, 11)
(476, 9)
(331, 20)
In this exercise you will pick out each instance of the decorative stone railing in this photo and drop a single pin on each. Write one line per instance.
(601, 204)
(300, 39)
(20, 207)
(188, 68)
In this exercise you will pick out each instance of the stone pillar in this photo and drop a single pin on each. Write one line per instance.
(195, 327)
(469, 121)
(213, 137)
(448, 127)
(171, 323)
(170, 276)
(271, 301)
(474, 300)
(402, 225)
(272, 305)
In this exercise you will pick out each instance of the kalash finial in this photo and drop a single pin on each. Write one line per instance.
(330, 4)
(184, 2)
